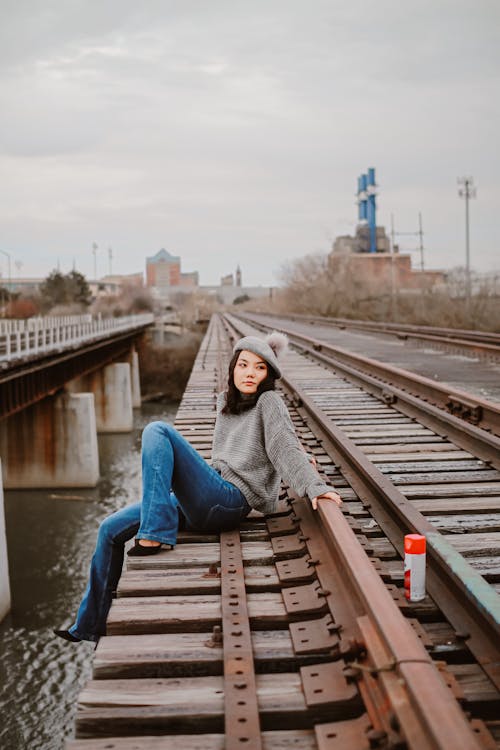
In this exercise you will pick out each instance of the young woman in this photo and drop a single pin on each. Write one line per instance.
(254, 447)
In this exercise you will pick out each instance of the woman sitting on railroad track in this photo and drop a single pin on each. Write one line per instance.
(254, 447)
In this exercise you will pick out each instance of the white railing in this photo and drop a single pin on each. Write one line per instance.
(23, 338)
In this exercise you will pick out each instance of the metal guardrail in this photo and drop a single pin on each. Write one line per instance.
(20, 339)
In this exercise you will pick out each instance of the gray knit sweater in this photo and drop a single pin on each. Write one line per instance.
(257, 448)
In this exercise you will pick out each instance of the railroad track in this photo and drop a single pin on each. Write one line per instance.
(293, 632)
(476, 343)
(395, 383)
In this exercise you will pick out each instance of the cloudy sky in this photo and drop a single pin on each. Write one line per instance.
(233, 131)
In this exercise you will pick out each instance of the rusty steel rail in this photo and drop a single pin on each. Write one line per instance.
(467, 407)
(469, 603)
(315, 651)
(406, 699)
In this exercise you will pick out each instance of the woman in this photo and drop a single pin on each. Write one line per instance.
(254, 447)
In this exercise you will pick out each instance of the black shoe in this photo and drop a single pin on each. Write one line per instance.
(67, 636)
(139, 550)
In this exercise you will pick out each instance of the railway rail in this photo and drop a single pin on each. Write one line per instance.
(400, 384)
(476, 343)
(293, 631)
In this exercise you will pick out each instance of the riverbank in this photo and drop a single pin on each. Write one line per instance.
(165, 368)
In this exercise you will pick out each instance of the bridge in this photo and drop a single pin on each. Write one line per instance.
(63, 380)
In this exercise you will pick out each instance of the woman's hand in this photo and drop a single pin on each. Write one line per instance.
(327, 496)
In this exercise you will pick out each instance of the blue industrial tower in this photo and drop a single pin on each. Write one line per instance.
(367, 192)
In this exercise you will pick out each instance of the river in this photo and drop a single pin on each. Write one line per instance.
(51, 536)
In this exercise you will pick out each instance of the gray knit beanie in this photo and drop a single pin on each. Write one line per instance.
(269, 348)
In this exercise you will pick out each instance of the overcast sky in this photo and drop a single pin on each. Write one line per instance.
(234, 131)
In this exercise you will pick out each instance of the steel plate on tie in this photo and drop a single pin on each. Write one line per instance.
(281, 525)
(315, 636)
(325, 686)
(291, 545)
(305, 600)
(341, 735)
(297, 570)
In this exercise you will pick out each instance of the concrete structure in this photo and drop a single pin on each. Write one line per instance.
(383, 270)
(51, 444)
(135, 379)
(50, 415)
(360, 243)
(5, 600)
(111, 388)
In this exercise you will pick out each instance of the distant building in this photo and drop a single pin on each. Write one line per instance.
(163, 270)
(190, 279)
(163, 273)
(127, 279)
(231, 289)
(383, 269)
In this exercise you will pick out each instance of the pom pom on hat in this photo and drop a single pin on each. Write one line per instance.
(269, 348)
(278, 342)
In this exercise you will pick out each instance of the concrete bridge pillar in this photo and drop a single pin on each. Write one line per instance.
(112, 389)
(4, 563)
(51, 444)
(135, 378)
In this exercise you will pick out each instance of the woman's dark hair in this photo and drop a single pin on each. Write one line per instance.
(235, 402)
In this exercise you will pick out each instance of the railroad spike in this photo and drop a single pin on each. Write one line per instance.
(216, 639)
(213, 571)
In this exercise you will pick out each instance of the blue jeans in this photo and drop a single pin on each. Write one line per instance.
(174, 476)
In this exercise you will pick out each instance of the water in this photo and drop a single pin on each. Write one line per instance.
(51, 536)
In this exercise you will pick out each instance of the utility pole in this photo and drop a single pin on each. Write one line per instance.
(421, 241)
(393, 274)
(110, 258)
(394, 234)
(94, 250)
(9, 276)
(8, 269)
(419, 234)
(467, 192)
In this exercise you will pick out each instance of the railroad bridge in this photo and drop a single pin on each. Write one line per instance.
(294, 631)
(63, 380)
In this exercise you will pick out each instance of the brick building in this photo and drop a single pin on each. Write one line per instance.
(378, 268)
(163, 272)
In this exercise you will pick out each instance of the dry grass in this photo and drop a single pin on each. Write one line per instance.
(311, 287)
(165, 369)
